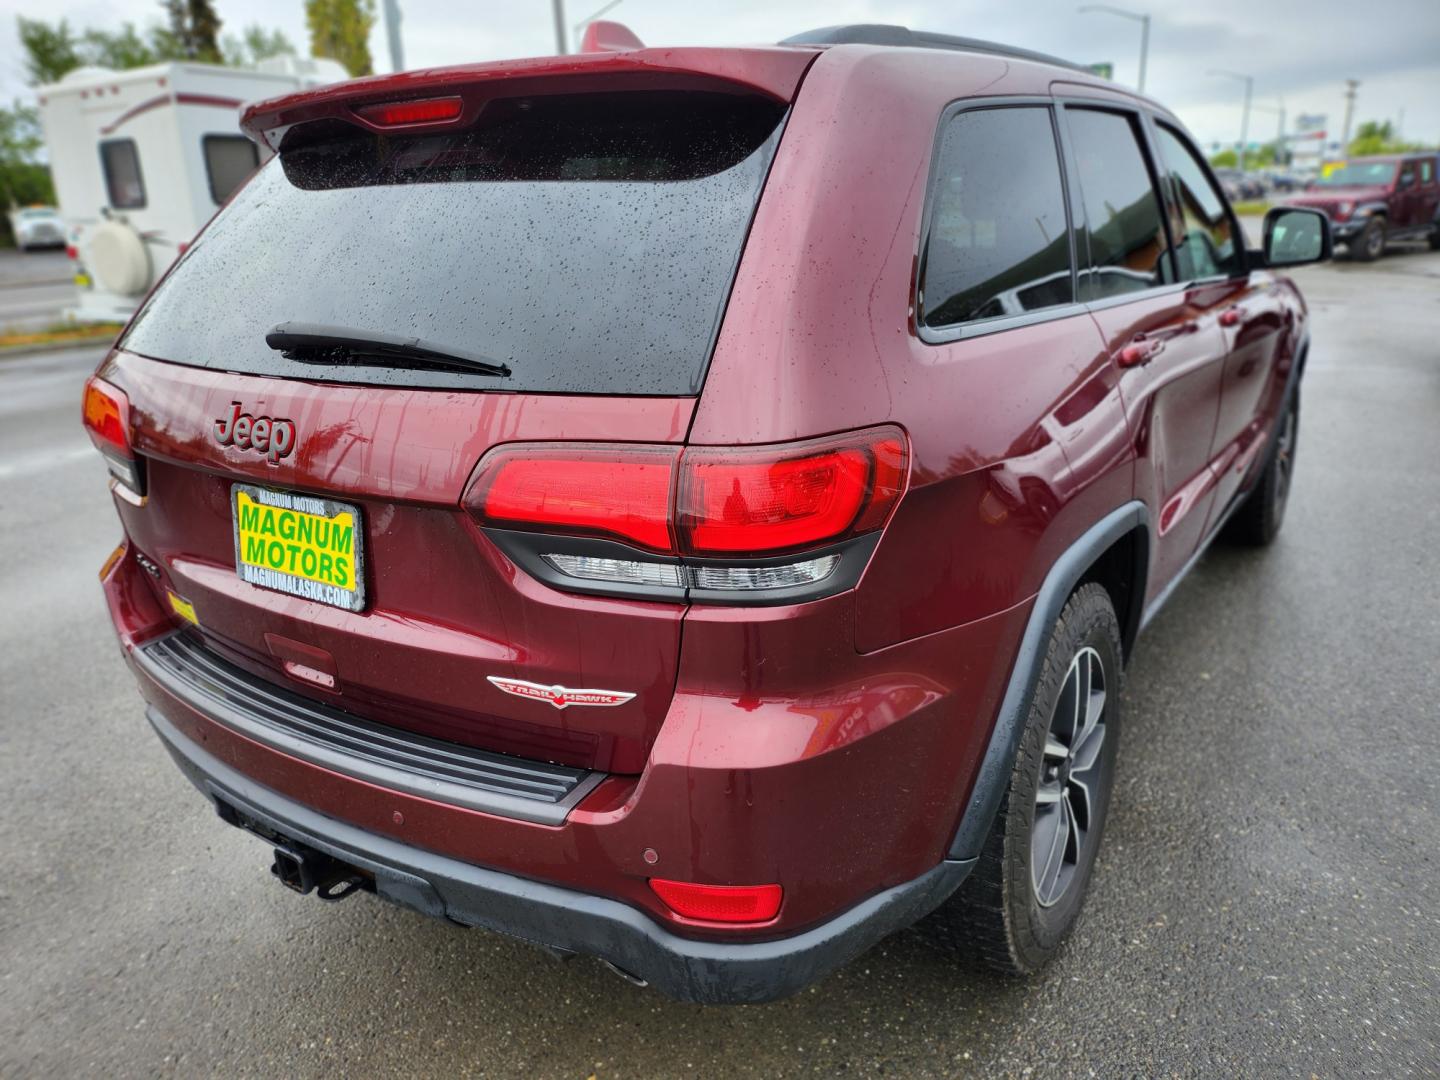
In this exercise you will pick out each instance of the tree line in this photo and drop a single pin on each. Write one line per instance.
(186, 30)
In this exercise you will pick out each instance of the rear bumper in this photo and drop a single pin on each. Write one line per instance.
(548, 915)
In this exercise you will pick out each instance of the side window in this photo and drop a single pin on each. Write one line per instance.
(1407, 175)
(229, 159)
(1204, 238)
(999, 242)
(1427, 171)
(1122, 209)
(120, 162)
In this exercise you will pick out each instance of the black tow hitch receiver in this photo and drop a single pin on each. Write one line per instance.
(305, 870)
(298, 866)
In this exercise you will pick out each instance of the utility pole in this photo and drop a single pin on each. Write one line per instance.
(1280, 148)
(1142, 19)
(1249, 82)
(392, 34)
(1350, 87)
(558, 6)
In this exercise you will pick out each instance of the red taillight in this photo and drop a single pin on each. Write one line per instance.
(617, 491)
(106, 413)
(717, 501)
(107, 417)
(404, 113)
(740, 500)
(719, 903)
(71, 251)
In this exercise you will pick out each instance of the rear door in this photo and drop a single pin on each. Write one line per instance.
(582, 243)
(1163, 335)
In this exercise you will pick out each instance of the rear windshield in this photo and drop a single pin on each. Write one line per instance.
(585, 242)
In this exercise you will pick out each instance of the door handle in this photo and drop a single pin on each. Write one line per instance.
(1232, 316)
(1140, 351)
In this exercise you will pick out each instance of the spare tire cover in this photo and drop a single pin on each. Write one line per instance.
(119, 259)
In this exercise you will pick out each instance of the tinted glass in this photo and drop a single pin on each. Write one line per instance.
(1122, 210)
(120, 162)
(229, 159)
(998, 241)
(1205, 243)
(1427, 171)
(587, 242)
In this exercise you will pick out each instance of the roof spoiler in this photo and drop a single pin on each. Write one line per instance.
(621, 62)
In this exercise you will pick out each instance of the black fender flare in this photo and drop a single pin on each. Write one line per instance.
(1066, 573)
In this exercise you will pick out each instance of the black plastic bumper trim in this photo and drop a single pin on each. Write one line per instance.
(555, 917)
(333, 739)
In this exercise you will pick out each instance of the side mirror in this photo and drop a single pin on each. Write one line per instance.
(1296, 235)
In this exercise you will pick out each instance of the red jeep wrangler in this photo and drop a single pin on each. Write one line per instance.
(1374, 200)
(693, 506)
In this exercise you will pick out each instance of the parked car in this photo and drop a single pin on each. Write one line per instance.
(36, 227)
(1240, 186)
(1373, 200)
(538, 513)
(1285, 182)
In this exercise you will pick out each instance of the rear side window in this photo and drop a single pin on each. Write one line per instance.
(229, 159)
(124, 183)
(1127, 240)
(999, 242)
(1205, 238)
(1427, 171)
(586, 242)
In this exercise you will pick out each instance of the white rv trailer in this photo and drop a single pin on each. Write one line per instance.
(142, 158)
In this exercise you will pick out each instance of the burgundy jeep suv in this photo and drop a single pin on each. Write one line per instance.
(693, 506)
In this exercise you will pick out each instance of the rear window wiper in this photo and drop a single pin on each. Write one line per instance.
(312, 343)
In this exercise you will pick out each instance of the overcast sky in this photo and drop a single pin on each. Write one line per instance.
(1300, 51)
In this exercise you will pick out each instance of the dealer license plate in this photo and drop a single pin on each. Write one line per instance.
(299, 544)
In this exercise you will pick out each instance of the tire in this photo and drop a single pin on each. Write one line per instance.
(1370, 244)
(1257, 522)
(1023, 896)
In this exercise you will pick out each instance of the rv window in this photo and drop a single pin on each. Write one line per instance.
(121, 162)
(229, 161)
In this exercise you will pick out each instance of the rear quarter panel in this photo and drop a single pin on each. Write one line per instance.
(1019, 439)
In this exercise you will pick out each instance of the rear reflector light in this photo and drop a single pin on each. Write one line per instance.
(719, 903)
(618, 571)
(106, 413)
(675, 576)
(718, 501)
(405, 113)
(748, 578)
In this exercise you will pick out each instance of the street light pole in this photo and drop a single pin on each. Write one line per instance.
(1249, 82)
(558, 7)
(1142, 19)
(1280, 149)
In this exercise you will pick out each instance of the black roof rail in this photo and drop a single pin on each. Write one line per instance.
(885, 34)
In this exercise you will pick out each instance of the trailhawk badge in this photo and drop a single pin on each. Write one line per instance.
(559, 696)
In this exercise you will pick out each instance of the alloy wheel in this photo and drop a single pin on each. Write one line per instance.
(1066, 797)
(1284, 457)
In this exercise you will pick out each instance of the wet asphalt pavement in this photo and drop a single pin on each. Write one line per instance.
(1267, 901)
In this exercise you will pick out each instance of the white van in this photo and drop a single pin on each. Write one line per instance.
(142, 158)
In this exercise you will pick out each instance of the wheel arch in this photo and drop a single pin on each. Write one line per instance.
(1116, 548)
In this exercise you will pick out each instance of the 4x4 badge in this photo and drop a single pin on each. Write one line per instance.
(559, 696)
